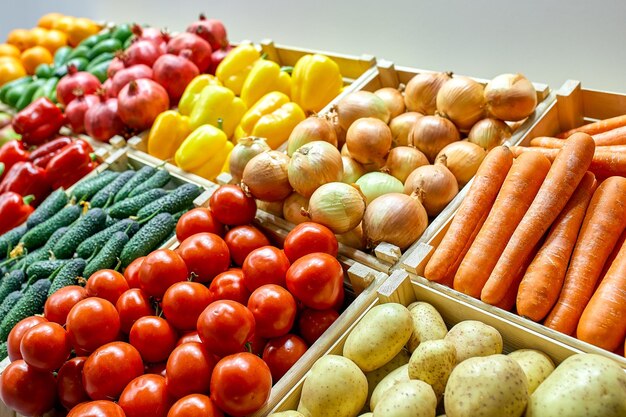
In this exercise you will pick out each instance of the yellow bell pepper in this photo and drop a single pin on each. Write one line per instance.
(315, 81)
(276, 126)
(219, 107)
(193, 90)
(169, 130)
(239, 133)
(236, 66)
(226, 165)
(204, 151)
(265, 77)
(267, 104)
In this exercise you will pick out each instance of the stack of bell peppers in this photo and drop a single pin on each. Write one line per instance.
(249, 96)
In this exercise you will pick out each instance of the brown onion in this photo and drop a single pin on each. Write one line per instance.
(489, 133)
(312, 165)
(393, 99)
(461, 100)
(292, 208)
(272, 207)
(403, 160)
(361, 104)
(340, 132)
(394, 218)
(510, 97)
(436, 183)
(265, 176)
(369, 140)
(375, 184)
(336, 205)
(345, 151)
(463, 159)
(352, 170)
(401, 127)
(420, 93)
(354, 238)
(246, 149)
(311, 129)
(431, 134)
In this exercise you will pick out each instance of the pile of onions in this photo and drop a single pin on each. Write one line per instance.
(265, 176)
(361, 104)
(461, 100)
(352, 170)
(336, 205)
(403, 160)
(393, 99)
(375, 184)
(489, 133)
(246, 149)
(420, 93)
(510, 97)
(354, 238)
(272, 207)
(463, 159)
(311, 129)
(369, 141)
(431, 134)
(313, 165)
(436, 183)
(292, 208)
(401, 127)
(395, 218)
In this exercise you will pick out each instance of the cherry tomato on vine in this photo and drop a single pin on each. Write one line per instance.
(282, 353)
(313, 323)
(145, 396)
(17, 333)
(131, 306)
(316, 280)
(160, 270)
(198, 220)
(229, 285)
(100, 408)
(242, 240)
(131, 273)
(225, 327)
(45, 347)
(107, 284)
(309, 237)
(70, 383)
(205, 255)
(153, 337)
(183, 302)
(194, 405)
(231, 206)
(92, 323)
(274, 310)
(266, 265)
(189, 370)
(26, 390)
(59, 304)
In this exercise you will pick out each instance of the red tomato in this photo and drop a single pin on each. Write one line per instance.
(131, 306)
(109, 369)
(240, 384)
(155, 368)
(256, 345)
(160, 270)
(198, 220)
(266, 265)
(309, 237)
(92, 323)
(313, 323)
(107, 284)
(205, 254)
(225, 327)
(231, 206)
(153, 337)
(59, 304)
(17, 332)
(274, 310)
(189, 370)
(188, 338)
(45, 347)
(70, 383)
(97, 409)
(316, 280)
(183, 302)
(195, 405)
(229, 285)
(145, 396)
(131, 273)
(26, 390)
(282, 353)
(242, 240)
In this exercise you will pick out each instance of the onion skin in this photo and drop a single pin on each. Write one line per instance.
(510, 97)
(375, 184)
(246, 149)
(369, 141)
(437, 186)
(431, 134)
(403, 160)
(265, 176)
(401, 127)
(292, 208)
(313, 165)
(461, 100)
(272, 207)
(393, 100)
(420, 93)
(463, 159)
(352, 170)
(361, 104)
(354, 238)
(311, 129)
(338, 206)
(489, 133)
(394, 218)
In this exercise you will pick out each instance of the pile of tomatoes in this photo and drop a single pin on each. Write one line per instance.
(181, 332)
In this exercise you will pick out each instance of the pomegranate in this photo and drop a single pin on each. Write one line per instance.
(157, 36)
(174, 72)
(200, 49)
(116, 65)
(126, 75)
(106, 88)
(102, 121)
(211, 30)
(216, 57)
(140, 102)
(75, 111)
(142, 51)
(86, 82)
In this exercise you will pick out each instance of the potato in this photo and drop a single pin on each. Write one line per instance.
(286, 414)
(491, 386)
(536, 366)
(379, 336)
(582, 385)
(427, 324)
(374, 377)
(335, 387)
(432, 362)
(473, 338)
(395, 377)
(366, 415)
(407, 399)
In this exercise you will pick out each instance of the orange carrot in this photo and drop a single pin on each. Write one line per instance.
(567, 170)
(517, 193)
(604, 222)
(549, 153)
(470, 217)
(508, 302)
(611, 258)
(596, 127)
(603, 322)
(611, 137)
(547, 142)
(543, 280)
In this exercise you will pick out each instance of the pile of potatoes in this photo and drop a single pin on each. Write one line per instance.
(403, 362)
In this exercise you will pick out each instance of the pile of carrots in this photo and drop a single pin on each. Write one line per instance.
(544, 234)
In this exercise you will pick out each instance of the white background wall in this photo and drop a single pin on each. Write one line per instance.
(547, 40)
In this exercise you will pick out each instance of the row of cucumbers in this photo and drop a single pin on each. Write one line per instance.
(107, 221)
(93, 54)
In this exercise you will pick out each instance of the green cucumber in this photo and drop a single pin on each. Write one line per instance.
(14, 94)
(67, 275)
(148, 238)
(93, 40)
(97, 241)
(110, 222)
(106, 194)
(128, 42)
(106, 56)
(100, 70)
(160, 178)
(80, 63)
(46, 89)
(11, 238)
(31, 303)
(122, 32)
(8, 86)
(8, 303)
(44, 71)
(61, 55)
(38, 235)
(107, 45)
(175, 201)
(108, 256)
(81, 51)
(88, 187)
(4, 350)
(142, 175)
(43, 253)
(130, 206)
(27, 97)
(48, 208)
(90, 223)
(43, 269)
(11, 282)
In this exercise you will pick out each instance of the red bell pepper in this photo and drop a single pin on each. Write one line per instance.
(12, 152)
(14, 210)
(25, 178)
(39, 121)
(44, 153)
(72, 163)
